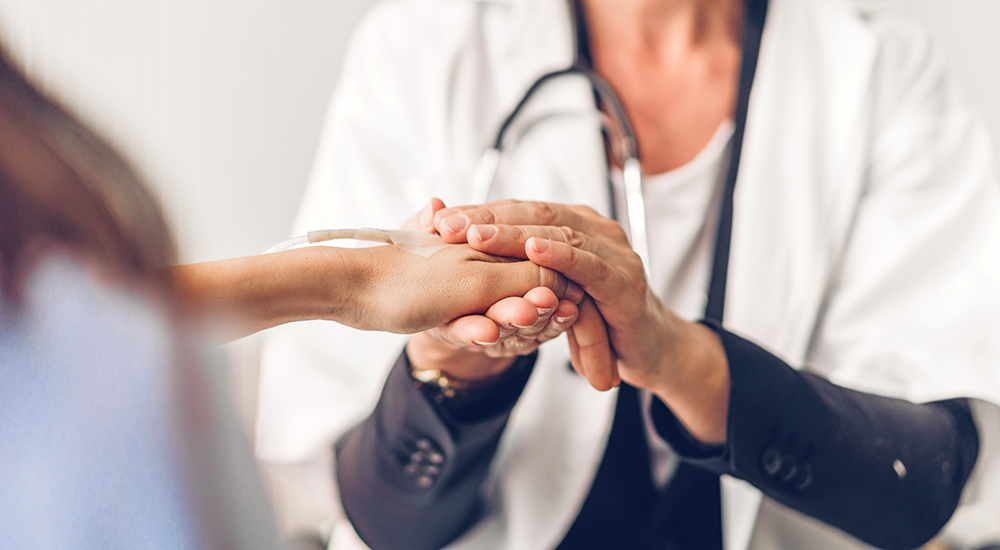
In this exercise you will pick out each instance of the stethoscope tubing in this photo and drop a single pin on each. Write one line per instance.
(485, 175)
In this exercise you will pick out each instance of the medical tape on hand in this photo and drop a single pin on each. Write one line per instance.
(417, 242)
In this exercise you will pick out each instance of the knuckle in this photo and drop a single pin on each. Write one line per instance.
(480, 215)
(572, 256)
(579, 259)
(568, 235)
(483, 216)
(543, 212)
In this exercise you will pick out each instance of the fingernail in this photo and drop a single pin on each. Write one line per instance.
(540, 245)
(562, 320)
(544, 311)
(427, 216)
(485, 232)
(520, 326)
(456, 223)
(483, 344)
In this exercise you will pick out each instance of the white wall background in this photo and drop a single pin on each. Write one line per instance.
(967, 32)
(219, 102)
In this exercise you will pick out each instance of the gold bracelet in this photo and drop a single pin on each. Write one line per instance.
(446, 388)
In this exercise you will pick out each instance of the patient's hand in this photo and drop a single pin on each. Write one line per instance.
(483, 302)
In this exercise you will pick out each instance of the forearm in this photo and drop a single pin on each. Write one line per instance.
(258, 292)
(886, 471)
(698, 392)
(410, 475)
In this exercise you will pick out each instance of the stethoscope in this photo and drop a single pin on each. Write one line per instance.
(617, 128)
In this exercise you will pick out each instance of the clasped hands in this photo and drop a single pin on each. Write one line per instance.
(618, 330)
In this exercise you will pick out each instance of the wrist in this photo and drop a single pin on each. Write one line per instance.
(479, 400)
(344, 284)
(447, 389)
(698, 393)
(461, 364)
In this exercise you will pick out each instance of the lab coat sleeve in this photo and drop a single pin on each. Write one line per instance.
(912, 305)
(884, 470)
(910, 310)
(410, 474)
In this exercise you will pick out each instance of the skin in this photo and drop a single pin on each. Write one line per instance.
(384, 288)
(675, 66)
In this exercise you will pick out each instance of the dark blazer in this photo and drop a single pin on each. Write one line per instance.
(886, 471)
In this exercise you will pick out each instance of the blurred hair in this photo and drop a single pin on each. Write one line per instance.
(63, 188)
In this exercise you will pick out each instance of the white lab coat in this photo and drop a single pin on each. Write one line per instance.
(866, 237)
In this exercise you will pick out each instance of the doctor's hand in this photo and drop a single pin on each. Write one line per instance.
(481, 346)
(651, 347)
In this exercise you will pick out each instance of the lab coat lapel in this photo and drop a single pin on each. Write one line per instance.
(566, 150)
(540, 41)
(802, 152)
(783, 251)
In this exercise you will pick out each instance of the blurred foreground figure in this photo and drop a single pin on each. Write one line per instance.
(113, 436)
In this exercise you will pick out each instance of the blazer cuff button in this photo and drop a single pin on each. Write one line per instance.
(770, 461)
(802, 481)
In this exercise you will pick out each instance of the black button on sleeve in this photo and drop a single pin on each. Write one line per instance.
(789, 467)
(419, 465)
(803, 479)
(770, 461)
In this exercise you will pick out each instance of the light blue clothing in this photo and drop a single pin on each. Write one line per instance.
(90, 454)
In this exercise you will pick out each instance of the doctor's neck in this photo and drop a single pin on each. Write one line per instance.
(651, 21)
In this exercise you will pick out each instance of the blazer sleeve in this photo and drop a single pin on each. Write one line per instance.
(410, 474)
(884, 470)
